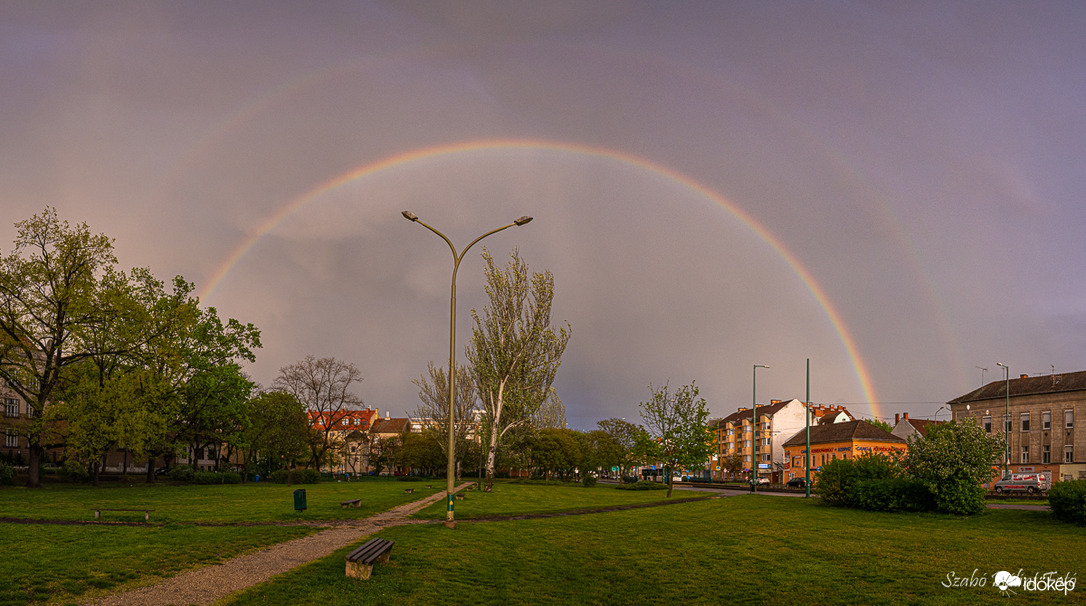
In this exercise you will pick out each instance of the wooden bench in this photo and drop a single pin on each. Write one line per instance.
(360, 561)
(146, 512)
(350, 503)
(409, 490)
(460, 497)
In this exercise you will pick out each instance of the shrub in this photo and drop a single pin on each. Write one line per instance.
(589, 481)
(206, 477)
(295, 476)
(953, 460)
(893, 494)
(1067, 500)
(7, 473)
(838, 479)
(73, 471)
(181, 473)
(642, 485)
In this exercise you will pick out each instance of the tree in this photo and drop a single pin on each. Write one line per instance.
(514, 351)
(50, 299)
(732, 464)
(953, 460)
(625, 436)
(551, 414)
(277, 435)
(883, 425)
(434, 405)
(678, 424)
(323, 386)
(556, 451)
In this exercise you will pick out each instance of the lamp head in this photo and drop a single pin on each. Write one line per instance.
(522, 220)
(410, 216)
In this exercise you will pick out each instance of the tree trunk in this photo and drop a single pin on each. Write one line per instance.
(33, 474)
(491, 455)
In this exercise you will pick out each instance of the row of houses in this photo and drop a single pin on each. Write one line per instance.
(1037, 414)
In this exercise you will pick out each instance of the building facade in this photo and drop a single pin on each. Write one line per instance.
(832, 441)
(1042, 417)
(777, 422)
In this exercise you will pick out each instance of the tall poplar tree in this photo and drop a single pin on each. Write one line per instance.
(514, 350)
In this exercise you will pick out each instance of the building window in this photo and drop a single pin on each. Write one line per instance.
(987, 424)
(1046, 420)
(11, 440)
(1046, 454)
(11, 407)
(765, 442)
(1025, 421)
(1007, 423)
(1068, 419)
(746, 459)
(746, 443)
(766, 457)
(1025, 453)
(1069, 454)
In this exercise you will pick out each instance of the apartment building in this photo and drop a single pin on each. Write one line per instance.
(1041, 415)
(776, 422)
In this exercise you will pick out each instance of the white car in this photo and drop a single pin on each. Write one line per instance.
(1028, 486)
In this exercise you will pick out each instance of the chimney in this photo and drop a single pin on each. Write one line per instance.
(388, 413)
(897, 418)
(771, 402)
(742, 408)
(1024, 377)
(906, 416)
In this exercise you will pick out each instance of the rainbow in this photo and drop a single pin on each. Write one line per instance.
(408, 157)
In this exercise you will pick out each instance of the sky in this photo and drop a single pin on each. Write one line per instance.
(892, 191)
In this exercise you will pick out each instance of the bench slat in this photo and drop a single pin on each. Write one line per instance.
(360, 561)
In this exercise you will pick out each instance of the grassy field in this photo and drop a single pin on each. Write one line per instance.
(742, 549)
(519, 499)
(750, 549)
(230, 503)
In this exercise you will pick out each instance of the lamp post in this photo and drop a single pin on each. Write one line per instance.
(754, 430)
(1007, 420)
(451, 469)
(807, 464)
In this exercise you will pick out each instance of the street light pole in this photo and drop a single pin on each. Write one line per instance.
(451, 468)
(1007, 420)
(807, 464)
(754, 430)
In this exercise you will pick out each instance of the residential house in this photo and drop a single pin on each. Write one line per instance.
(1042, 416)
(905, 428)
(831, 441)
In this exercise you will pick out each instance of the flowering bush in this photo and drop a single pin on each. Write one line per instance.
(952, 461)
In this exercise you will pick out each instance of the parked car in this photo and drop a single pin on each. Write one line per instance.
(1028, 486)
(797, 483)
(763, 481)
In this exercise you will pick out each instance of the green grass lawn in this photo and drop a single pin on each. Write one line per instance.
(509, 499)
(747, 549)
(65, 562)
(253, 502)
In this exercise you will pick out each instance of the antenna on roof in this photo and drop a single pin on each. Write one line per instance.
(982, 371)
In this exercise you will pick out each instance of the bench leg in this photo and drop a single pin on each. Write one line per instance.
(359, 571)
(97, 513)
(146, 515)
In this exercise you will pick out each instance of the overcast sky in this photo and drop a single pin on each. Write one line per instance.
(893, 190)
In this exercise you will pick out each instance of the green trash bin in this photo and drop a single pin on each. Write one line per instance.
(299, 499)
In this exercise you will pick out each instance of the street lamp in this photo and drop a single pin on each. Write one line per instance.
(807, 418)
(754, 431)
(1007, 420)
(451, 469)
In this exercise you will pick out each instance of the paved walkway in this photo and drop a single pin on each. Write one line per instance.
(210, 583)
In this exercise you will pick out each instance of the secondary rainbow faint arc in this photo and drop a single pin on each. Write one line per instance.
(414, 155)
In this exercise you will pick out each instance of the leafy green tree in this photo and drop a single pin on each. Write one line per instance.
(600, 451)
(551, 413)
(50, 300)
(883, 425)
(953, 460)
(514, 350)
(277, 435)
(677, 421)
(625, 435)
(556, 452)
(422, 452)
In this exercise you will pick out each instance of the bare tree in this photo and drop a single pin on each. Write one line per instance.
(514, 351)
(434, 407)
(324, 387)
